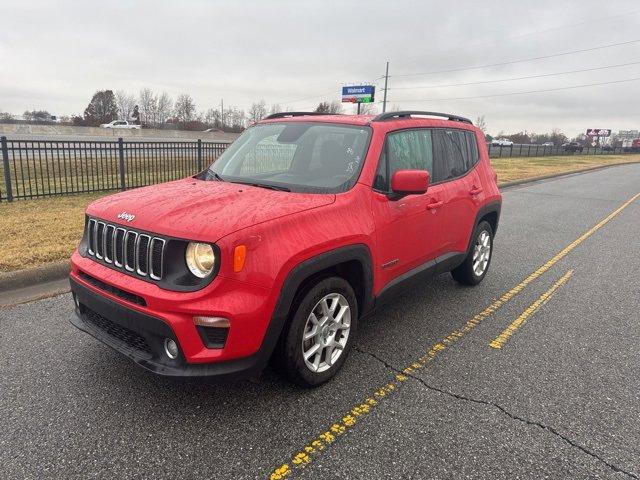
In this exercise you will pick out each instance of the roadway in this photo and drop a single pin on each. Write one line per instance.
(423, 395)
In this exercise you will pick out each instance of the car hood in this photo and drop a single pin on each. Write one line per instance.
(201, 210)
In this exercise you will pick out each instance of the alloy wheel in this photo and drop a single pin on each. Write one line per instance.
(481, 253)
(326, 332)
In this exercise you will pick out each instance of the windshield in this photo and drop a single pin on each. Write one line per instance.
(295, 156)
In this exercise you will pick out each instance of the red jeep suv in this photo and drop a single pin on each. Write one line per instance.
(304, 225)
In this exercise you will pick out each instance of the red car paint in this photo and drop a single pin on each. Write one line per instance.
(281, 230)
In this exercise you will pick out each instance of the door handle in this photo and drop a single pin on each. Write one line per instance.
(475, 190)
(434, 205)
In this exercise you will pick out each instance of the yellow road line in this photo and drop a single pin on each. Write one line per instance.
(530, 310)
(346, 423)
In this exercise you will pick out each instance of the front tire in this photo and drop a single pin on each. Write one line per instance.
(319, 337)
(476, 264)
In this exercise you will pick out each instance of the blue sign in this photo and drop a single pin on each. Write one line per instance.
(358, 94)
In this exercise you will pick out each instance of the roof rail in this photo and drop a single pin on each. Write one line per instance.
(294, 114)
(408, 113)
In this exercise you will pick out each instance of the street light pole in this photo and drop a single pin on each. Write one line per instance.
(386, 80)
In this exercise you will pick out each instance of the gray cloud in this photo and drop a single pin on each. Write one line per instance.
(54, 55)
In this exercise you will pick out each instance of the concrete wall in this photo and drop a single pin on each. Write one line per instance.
(24, 130)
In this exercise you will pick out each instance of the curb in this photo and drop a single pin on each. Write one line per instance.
(59, 270)
(33, 276)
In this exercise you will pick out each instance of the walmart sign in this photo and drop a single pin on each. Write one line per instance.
(358, 94)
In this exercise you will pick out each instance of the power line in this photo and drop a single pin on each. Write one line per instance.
(572, 25)
(537, 32)
(600, 47)
(521, 93)
(323, 94)
(308, 98)
(515, 78)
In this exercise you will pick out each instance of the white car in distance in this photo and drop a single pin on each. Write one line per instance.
(501, 142)
(121, 124)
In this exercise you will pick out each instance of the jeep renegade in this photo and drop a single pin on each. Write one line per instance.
(301, 227)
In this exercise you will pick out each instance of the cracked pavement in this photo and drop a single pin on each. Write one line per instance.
(560, 399)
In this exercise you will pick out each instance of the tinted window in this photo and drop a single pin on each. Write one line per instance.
(472, 146)
(455, 152)
(405, 150)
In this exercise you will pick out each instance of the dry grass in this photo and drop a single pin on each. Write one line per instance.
(519, 168)
(40, 231)
(35, 232)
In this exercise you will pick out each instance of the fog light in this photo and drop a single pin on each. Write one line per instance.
(171, 348)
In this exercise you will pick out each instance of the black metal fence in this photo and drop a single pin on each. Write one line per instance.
(522, 150)
(41, 168)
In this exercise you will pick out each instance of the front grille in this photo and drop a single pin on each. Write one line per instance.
(129, 297)
(126, 249)
(125, 335)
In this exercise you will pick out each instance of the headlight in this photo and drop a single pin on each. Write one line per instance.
(200, 259)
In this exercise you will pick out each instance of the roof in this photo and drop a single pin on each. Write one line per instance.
(329, 118)
(403, 120)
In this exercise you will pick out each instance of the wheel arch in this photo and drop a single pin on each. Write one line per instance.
(352, 262)
(489, 212)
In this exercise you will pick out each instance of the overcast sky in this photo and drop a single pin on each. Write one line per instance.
(55, 55)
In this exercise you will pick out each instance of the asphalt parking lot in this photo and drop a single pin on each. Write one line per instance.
(425, 394)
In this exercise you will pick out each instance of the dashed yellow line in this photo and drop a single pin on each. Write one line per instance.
(342, 426)
(530, 310)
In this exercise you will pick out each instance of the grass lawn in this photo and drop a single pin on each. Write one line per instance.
(34, 232)
(522, 167)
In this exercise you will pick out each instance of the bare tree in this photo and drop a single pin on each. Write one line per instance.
(257, 111)
(184, 108)
(276, 108)
(329, 107)
(164, 107)
(368, 109)
(335, 107)
(148, 103)
(236, 118)
(212, 117)
(125, 103)
(481, 124)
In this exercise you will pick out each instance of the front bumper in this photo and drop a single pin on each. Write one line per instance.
(141, 338)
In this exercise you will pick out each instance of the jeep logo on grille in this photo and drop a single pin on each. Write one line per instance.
(127, 216)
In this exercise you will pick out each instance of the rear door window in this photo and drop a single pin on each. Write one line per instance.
(455, 153)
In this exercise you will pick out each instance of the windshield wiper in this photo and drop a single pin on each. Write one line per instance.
(216, 176)
(265, 185)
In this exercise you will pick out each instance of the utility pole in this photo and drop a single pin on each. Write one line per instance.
(222, 112)
(386, 81)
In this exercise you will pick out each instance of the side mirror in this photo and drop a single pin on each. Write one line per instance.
(409, 182)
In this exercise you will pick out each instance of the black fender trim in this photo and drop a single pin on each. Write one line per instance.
(408, 279)
(303, 271)
(491, 207)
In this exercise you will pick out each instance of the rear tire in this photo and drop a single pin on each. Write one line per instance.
(319, 336)
(476, 265)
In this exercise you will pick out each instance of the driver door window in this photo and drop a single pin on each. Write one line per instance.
(404, 150)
